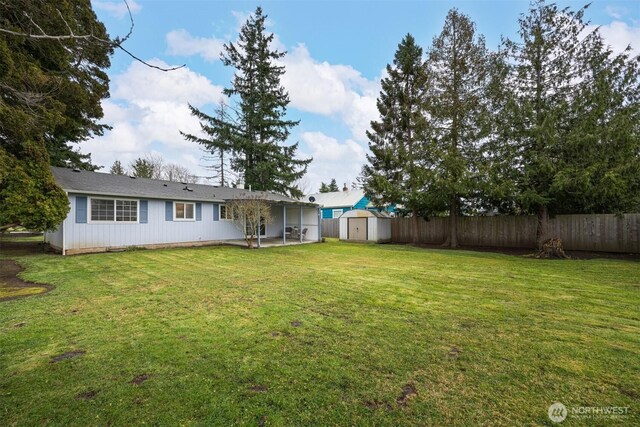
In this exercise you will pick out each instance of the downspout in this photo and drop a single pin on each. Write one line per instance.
(319, 225)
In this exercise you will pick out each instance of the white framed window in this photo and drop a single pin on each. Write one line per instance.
(184, 211)
(336, 213)
(225, 214)
(113, 210)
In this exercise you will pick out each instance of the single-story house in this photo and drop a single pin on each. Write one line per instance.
(117, 211)
(335, 203)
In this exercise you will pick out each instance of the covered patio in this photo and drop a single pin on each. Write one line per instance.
(292, 223)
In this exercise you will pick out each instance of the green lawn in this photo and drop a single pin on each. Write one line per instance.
(325, 334)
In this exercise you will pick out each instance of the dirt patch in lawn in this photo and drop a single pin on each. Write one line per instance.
(16, 247)
(12, 287)
(408, 392)
(454, 352)
(139, 379)
(67, 355)
(258, 389)
(87, 395)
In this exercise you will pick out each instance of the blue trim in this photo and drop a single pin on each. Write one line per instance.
(81, 209)
(168, 210)
(144, 211)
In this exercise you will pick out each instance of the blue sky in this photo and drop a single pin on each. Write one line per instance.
(337, 53)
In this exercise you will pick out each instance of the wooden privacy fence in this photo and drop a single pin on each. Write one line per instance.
(331, 227)
(599, 232)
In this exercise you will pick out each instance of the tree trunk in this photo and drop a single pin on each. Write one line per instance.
(542, 231)
(453, 223)
(414, 226)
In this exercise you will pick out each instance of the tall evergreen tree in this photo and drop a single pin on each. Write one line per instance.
(459, 63)
(324, 188)
(216, 142)
(598, 168)
(51, 85)
(545, 79)
(257, 135)
(398, 169)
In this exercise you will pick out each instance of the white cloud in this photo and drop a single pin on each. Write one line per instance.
(147, 111)
(116, 8)
(616, 12)
(332, 159)
(332, 90)
(181, 43)
(619, 35)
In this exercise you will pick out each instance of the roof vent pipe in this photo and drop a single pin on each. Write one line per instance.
(345, 188)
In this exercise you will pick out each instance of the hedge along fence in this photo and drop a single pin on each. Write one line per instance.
(598, 232)
(331, 227)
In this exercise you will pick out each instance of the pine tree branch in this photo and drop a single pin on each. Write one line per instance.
(114, 44)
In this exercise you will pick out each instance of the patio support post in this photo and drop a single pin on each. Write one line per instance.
(259, 227)
(284, 224)
(319, 225)
(300, 225)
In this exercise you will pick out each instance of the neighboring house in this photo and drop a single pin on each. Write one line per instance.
(333, 204)
(118, 211)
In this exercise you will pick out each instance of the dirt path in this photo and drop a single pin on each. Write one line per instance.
(9, 270)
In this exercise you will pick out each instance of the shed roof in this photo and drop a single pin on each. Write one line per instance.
(337, 199)
(81, 181)
(363, 213)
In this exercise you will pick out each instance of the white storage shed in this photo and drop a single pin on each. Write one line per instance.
(361, 225)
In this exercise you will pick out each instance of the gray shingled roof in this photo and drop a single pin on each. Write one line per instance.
(75, 181)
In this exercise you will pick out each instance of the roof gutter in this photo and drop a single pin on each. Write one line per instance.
(138, 196)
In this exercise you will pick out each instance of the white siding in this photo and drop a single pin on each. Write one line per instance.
(54, 238)
(159, 231)
(344, 228)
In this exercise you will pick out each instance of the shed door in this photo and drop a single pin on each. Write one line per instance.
(357, 229)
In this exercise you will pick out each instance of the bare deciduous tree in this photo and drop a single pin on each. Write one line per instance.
(248, 215)
(178, 173)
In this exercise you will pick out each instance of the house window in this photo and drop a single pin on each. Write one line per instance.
(337, 213)
(126, 210)
(184, 211)
(102, 209)
(225, 213)
(114, 210)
